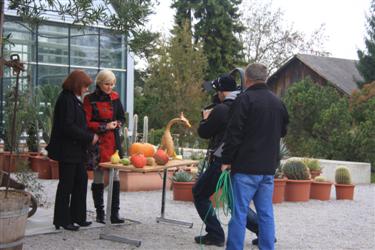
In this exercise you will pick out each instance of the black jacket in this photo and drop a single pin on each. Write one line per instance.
(213, 127)
(252, 140)
(70, 136)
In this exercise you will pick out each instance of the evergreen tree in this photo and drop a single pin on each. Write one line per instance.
(366, 65)
(175, 75)
(217, 26)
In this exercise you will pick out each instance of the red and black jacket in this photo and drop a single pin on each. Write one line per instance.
(100, 109)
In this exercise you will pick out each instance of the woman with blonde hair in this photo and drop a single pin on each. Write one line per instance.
(105, 116)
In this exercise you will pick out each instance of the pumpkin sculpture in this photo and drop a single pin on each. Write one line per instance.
(147, 149)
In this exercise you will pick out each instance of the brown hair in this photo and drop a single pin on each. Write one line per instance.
(76, 80)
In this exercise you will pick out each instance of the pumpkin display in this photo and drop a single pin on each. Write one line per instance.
(147, 149)
(161, 157)
(138, 160)
(150, 161)
(115, 158)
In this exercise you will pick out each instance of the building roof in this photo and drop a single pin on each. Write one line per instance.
(342, 73)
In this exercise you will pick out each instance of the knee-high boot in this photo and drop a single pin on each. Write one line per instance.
(115, 218)
(97, 195)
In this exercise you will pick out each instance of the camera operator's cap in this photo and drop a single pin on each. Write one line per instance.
(225, 83)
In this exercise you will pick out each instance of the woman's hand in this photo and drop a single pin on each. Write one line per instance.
(95, 139)
(111, 125)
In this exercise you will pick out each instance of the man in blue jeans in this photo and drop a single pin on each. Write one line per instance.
(212, 126)
(251, 147)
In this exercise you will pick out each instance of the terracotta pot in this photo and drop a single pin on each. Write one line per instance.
(33, 163)
(2, 160)
(14, 162)
(134, 182)
(212, 199)
(278, 190)
(44, 168)
(320, 190)
(344, 192)
(297, 190)
(314, 173)
(183, 191)
(54, 165)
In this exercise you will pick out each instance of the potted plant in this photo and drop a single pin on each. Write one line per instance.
(298, 184)
(279, 178)
(13, 204)
(182, 186)
(344, 186)
(313, 166)
(320, 189)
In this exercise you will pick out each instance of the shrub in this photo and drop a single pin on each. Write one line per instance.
(342, 175)
(296, 170)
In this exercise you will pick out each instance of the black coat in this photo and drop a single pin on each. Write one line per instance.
(252, 141)
(213, 127)
(70, 136)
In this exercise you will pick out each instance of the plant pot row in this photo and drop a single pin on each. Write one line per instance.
(46, 168)
(303, 190)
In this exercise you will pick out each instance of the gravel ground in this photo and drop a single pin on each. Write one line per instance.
(310, 225)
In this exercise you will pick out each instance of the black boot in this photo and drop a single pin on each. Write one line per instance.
(97, 195)
(115, 219)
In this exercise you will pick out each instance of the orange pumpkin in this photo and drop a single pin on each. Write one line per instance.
(147, 149)
(138, 160)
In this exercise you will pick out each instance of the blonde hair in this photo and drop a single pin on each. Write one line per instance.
(104, 76)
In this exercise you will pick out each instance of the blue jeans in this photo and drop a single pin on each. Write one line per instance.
(202, 190)
(258, 188)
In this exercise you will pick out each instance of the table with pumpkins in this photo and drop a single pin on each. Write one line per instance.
(143, 159)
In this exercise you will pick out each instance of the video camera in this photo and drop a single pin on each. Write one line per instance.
(211, 86)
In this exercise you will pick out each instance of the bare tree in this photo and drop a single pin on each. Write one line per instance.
(269, 40)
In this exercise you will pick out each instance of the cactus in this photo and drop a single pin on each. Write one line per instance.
(320, 179)
(296, 170)
(145, 129)
(135, 129)
(312, 164)
(126, 140)
(182, 176)
(342, 175)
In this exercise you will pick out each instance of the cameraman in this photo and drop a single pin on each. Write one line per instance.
(212, 127)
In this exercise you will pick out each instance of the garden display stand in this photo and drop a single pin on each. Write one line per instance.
(131, 168)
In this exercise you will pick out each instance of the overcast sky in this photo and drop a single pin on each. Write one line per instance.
(344, 19)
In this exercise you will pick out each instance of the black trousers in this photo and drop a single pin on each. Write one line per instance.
(202, 190)
(70, 202)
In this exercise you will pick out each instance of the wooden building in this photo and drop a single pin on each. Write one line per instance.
(340, 73)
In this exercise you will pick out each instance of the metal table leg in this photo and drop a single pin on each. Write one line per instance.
(162, 218)
(106, 235)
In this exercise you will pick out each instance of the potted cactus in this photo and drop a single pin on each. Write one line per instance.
(182, 186)
(279, 178)
(313, 166)
(320, 189)
(298, 184)
(344, 186)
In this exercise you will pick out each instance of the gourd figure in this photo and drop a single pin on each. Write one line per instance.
(167, 140)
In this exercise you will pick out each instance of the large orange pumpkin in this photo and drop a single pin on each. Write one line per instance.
(147, 149)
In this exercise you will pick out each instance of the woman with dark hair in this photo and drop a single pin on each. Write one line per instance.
(105, 116)
(70, 139)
